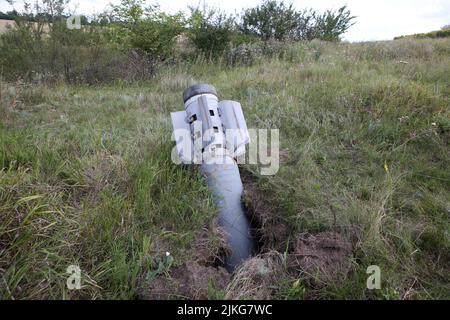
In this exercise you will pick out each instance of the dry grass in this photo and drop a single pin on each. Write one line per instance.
(258, 278)
(5, 25)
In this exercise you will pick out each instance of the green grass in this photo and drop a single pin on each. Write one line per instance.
(87, 177)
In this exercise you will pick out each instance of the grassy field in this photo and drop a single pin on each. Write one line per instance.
(87, 178)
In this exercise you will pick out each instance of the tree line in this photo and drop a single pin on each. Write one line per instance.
(143, 33)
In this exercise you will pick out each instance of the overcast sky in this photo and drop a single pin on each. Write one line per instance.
(376, 19)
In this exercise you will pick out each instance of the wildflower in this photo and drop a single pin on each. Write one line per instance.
(386, 168)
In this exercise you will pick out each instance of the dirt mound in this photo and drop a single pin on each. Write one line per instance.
(198, 278)
(190, 280)
(327, 253)
(316, 259)
(257, 278)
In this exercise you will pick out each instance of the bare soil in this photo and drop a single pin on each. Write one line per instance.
(326, 254)
(190, 280)
(198, 278)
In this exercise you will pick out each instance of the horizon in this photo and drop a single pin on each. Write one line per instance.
(415, 16)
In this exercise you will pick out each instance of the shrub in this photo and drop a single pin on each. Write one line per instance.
(332, 24)
(211, 31)
(128, 49)
(21, 51)
(271, 20)
(131, 40)
(146, 29)
(72, 56)
(277, 20)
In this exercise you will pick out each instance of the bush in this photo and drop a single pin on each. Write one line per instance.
(330, 25)
(276, 20)
(272, 20)
(127, 49)
(133, 39)
(147, 29)
(211, 31)
(21, 52)
(72, 56)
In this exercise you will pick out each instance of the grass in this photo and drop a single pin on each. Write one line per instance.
(87, 177)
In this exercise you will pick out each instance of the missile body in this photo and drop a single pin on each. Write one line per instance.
(223, 132)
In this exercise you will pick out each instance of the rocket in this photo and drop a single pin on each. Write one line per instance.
(213, 134)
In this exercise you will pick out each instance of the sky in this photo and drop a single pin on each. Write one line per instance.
(376, 19)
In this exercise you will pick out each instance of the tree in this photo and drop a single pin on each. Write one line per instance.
(332, 24)
(271, 20)
(147, 28)
(210, 30)
(277, 20)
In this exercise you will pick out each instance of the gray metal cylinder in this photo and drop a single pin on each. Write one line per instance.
(226, 185)
(221, 172)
